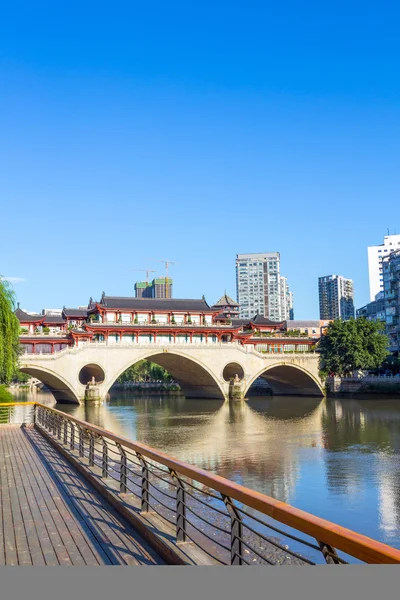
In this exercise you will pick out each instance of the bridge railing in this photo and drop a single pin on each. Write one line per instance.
(247, 349)
(229, 522)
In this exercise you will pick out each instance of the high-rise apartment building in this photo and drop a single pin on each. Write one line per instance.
(336, 297)
(391, 281)
(286, 300)
(259, 286)
(375, 256)
(158, 288)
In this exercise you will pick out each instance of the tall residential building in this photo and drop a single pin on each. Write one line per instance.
(375, 256)
(336, 297)
(158, 288)
(373, 311)
(259, 286)
(391, 281)
(286, 300)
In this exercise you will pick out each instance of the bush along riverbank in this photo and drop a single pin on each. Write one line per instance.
(147, 387)
(5, 395)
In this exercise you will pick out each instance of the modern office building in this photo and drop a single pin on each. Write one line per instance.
(375, 256)
(391, 281)
(158, 288)
(336, 297)
(259, 286)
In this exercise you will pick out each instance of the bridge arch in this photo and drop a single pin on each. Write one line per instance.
(194, 377)
(288, 379)
(59, 387)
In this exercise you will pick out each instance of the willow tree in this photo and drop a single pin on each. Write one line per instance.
(9, 333)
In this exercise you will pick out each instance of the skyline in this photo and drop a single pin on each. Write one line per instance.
(196, 134)
(17, 280)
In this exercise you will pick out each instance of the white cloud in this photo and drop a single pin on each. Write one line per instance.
(14, 279)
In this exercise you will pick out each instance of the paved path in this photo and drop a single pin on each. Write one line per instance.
(50, 514)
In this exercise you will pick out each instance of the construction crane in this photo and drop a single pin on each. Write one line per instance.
(167, 263)
(147, 271)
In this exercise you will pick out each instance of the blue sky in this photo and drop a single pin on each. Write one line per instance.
(135, 132)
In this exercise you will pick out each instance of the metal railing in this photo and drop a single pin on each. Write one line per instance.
(229, 522)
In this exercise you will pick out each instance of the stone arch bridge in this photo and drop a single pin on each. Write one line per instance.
(201, 372)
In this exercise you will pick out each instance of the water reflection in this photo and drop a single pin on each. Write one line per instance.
(338, 459)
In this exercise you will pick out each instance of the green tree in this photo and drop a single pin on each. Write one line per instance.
(9, 333)
(144, 371)
(350, 345)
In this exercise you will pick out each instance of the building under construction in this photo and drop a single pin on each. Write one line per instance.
(160, 287)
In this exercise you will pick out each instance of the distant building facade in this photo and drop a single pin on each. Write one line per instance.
(336, 297)
(260, 287)
(373, 311)
(375, 257)
(314, 329)
(158, 288)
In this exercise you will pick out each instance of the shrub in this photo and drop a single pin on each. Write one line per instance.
(5, 395)
(46, 329)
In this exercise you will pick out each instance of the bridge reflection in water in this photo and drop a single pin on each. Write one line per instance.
(335, 458)
(167, 500)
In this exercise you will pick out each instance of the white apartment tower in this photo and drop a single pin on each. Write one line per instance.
(260, 288)
(375, 255)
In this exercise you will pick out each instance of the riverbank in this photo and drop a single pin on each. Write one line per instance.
(365, 387)
(146, 387)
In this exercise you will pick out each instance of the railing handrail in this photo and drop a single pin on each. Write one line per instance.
(346, 540)
(212, 346)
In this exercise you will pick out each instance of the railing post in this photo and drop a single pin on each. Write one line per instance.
(72, 440)
(34, 414)
(81, 449)
(236, 531)
(122, 470)
(91, 450)
(65, 431)
(180, 508)
(104, 462)
(59, 426)
(145, 484)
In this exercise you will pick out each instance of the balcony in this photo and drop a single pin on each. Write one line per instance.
(156, 324)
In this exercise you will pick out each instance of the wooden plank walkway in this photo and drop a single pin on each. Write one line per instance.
(51, 515)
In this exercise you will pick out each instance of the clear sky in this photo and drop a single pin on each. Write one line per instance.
(133, 132)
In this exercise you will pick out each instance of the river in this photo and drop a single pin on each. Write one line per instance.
(338, 459)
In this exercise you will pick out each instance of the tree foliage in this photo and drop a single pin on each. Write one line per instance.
(356, 344)
(145, 371)
(9, 333)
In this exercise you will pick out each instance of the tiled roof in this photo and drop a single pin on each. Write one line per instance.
(75, 312)
(56, 320)
(259, 320)
(25, 318)
(155, 304)
(226, 301)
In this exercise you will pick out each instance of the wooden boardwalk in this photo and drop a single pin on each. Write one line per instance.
(50, 514)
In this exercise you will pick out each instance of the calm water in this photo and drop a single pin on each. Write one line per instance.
(338, 459)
